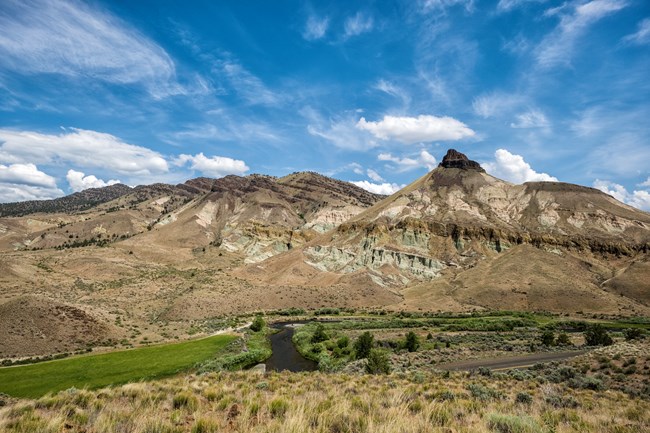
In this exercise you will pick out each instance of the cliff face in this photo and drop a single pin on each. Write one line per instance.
(458, 217)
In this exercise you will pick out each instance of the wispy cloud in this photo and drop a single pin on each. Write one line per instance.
(531, 119)
(513, 168)
(422, 160)
(642, 35)
(424, 128)
(81, 41)
(558, 47)
(248, 86)
(508, 5)
(315, 28)
(358, 24)
(373, 175)
(495, 104)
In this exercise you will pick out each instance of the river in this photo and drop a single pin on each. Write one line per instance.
(285, 356)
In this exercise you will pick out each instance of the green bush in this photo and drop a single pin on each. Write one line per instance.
(563, 339)
(633, 333)
(319, 335)
(547, 338)
(412, 342)
(524, 398)
(513, 424)
(363, 345)
(596, 335)
(378, 362)
(258, 324)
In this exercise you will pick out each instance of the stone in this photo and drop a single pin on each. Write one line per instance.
(455, 159)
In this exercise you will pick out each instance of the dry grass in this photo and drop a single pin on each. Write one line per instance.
(300, 403)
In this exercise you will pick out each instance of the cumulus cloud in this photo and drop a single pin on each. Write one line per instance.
(513, 168)
(77, 39)
(531, 119)
(358, 24)
(82, 148)
(215, 166)
(637, 198)
(423, 128)
(78, 181)
(373, 175)
(378, 188)
(423, 160)
(315, 28)
(19, 182)
(558, 47)
(642, 35)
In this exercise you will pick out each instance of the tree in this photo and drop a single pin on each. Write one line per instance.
(319, 334)
(378, 362)
(412, 342)
(258, 324)
(548, 338)
(596, 335)
(363, 345)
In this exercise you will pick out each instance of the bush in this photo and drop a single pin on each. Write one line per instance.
(563, 339)
(185, 400)
(596, 335)
(278, 407)
(524, 398)
(363, 345)
(205, 426)
(513, 424)
(343, 342)
(258, 324)
(378, 362)
(633, 334)
(319, 335)
(547, 338)
(412, 342)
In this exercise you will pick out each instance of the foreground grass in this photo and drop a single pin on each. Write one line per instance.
(330, 403)
(95, 371)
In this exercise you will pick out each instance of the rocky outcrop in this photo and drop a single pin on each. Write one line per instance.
(455, 159)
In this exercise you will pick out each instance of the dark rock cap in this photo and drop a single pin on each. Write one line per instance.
(455, 159)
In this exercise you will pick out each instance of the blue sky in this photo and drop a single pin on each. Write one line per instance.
(371, 92)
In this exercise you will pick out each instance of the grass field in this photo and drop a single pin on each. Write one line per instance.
(95, 371)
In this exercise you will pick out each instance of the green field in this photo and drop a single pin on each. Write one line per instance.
(95, 371)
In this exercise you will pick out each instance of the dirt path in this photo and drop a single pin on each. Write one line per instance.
(504, 363)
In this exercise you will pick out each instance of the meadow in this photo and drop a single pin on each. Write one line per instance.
(95, 371)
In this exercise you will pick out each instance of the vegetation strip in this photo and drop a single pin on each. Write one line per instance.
(95, 371)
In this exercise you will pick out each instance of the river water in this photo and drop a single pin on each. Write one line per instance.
(285, 356)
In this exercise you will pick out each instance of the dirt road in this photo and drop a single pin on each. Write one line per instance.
(505, 363)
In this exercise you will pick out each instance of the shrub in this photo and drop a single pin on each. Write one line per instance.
(563, 339)
(378, 362)
(412, 342)
(547, 338)
(319, 335)
(513, 424)
(633, 333)
(258, 324)
(184, 400)
(524, 398)
(596, 335)
(343, 342)
(205, 426)
(363, 345)
(483, 393)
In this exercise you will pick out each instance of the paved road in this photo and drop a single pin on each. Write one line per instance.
(505, 363)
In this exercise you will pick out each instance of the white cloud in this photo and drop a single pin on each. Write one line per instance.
(531, 119)
(393, 90)
(637, 198)
(513, 168)
(558, 47)
(215, 166)
(508, 5)
(646, 183)
(247, 85)
(642, 35)
(340, 131)
(442, 5)
(78, 40)
(19, 182)
(78, 181)
(423, 128)
(82, 148)
(378, 188)
(26, 174)
(358, 24)
(495, 104)
(373, 175)
(315, 28)
(423, 160)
